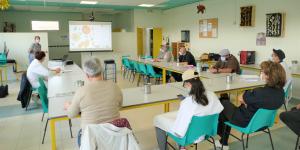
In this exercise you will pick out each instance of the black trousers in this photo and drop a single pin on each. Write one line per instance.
(177, 76)
(226, 115)
(292, 120)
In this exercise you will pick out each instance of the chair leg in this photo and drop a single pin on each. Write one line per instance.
(133, 76)
(214, 143)
(285, 107)
(243, 143)
(196, 146)
(247, 140)
(70, 126)
(45, 130)
(139, 79)
(43, 116)
(297, 143)
(130, 74)
(269, 132)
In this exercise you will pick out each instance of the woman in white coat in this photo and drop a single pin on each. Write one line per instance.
(199, 102)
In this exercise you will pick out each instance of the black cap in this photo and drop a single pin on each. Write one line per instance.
(279, 53)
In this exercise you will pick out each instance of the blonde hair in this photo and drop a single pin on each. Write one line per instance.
(275, 72)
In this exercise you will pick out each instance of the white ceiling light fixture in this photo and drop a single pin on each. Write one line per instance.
(146, 5)
(89, 2)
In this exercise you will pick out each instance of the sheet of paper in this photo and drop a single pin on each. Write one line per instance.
(214, 32)
(209, 26)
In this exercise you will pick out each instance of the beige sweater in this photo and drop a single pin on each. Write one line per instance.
(97, 101)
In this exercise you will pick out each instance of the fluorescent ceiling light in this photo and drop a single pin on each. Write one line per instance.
(146, 5)
(89, 2)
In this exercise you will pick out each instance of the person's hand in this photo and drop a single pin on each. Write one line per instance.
(57, 70)
(298, 106)
(241, 99)
(67, 105)
(213, 70)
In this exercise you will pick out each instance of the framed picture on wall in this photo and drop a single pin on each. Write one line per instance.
(274, 25)
(247, 16)
(185, 36)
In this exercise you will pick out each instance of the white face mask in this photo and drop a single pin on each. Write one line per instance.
(223, 58)
(180, 53)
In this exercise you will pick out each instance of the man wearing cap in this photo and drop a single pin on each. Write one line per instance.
(278, 56)
(226, 64)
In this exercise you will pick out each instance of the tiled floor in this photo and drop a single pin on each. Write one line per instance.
(24, 131)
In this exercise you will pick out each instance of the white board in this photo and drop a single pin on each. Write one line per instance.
(19, 44)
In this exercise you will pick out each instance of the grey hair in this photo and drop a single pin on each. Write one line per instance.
(92, 67)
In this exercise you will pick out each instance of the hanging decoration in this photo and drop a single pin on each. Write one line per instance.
(200, 8)
(4, 4)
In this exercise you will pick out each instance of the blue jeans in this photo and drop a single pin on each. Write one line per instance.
(30, 57)
(79, 137)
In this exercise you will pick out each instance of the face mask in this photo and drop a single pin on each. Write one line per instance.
(223, 58)
(180, 53)
(37, 41)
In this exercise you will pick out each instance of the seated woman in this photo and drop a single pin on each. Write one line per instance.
(271, 96)
(36, 69)
(199, 102)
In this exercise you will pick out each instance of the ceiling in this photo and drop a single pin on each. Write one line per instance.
(103, 6)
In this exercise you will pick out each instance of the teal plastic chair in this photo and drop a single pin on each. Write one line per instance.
(136, 70)
(262, 120)
(42, 90)
(128, 67)
(144, 72)
(153, 74)
(123, 63)
(200, 126)
(287, 93)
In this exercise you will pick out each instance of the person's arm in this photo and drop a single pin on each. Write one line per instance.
(298, 106)
(31, 48)
(73, 107)
(119, 96)
(231, 66)
(252, 96)
(191, 59)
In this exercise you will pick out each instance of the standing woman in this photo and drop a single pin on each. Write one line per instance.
(35, 47)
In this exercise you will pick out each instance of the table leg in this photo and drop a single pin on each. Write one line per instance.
(52, 132)
(167, 107)
(5, 74)
(164, 76)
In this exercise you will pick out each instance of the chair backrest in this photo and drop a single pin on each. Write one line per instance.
(143, 68)
(42, 90)
(199, 126)
(150, 70)
(287, 89)
(126, 63)
(136, 66)
(261, 119)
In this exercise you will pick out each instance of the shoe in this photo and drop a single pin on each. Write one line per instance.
(219, 145)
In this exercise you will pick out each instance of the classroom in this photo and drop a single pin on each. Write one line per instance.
(149, 75)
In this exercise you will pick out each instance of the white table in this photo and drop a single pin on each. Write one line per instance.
(132, 97)
(172, 66)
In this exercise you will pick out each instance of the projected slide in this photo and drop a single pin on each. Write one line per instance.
(90, 36)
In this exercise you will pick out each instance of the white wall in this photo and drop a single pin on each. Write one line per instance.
(230, 34)
(147, 18)
(123, 43)
(19, 44)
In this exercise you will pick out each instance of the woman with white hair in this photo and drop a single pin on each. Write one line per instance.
(97, 101)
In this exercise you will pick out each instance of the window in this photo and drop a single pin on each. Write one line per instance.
(45, 25)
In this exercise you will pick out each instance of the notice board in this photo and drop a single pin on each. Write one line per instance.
(208, 28)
